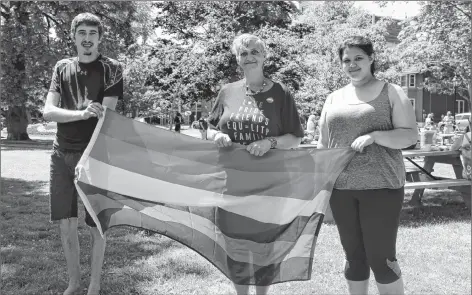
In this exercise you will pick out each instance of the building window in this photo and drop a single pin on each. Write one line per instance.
(411, 80)
(412, 100)
(403, 81)
(460, 106)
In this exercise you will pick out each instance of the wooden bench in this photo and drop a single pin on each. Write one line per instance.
(418, 180)
(441, 183)
(412, 172)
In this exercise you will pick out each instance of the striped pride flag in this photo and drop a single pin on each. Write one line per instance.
(255, 218)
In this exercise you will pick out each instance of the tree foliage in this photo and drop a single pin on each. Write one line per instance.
(324, 26)
(218, 18)
(197, 59)
(437, 43)
(192, 58)
(301, 46)
(36, 34)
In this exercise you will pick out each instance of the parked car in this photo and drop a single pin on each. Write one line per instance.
(462, 120)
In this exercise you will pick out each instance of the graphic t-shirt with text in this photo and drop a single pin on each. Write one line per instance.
(78, 84)
(249, 118)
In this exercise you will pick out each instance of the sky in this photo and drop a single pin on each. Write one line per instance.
(395, 9)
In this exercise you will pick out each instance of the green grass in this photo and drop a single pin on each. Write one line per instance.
(434, 247)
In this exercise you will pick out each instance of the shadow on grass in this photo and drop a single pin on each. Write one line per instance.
(438, 206)
(25, 147)
(31, 244)
(14, 189)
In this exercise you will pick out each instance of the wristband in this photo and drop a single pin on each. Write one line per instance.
(273, 142)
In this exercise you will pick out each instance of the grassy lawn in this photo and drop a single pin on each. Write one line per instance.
(434, 247)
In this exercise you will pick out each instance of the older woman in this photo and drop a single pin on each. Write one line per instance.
(255, 111)
(375, 119)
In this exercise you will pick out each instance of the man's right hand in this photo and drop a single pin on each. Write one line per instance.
(94, 109)
(222, 140)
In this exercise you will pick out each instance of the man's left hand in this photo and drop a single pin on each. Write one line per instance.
(259, 148)
(361, 142)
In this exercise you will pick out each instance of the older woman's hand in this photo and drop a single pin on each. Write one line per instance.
(222, 140)
(361, 142)
(259, 148)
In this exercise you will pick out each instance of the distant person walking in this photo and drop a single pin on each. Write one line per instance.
(178, 121)
(203, 127)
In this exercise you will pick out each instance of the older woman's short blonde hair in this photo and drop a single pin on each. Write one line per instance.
(242, 42)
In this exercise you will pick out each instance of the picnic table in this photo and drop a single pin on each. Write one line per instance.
(451, 158)
(415, 172)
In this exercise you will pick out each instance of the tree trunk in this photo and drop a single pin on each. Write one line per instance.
(17, 122)
(469, 100)
(171, 122)
(17, 117)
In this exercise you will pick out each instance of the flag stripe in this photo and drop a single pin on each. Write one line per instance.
(236, 157)
(213, 252)
(184, 231)
(290, 269)
(105, 176)
(207, 154)
(240, 227)
(200, 175)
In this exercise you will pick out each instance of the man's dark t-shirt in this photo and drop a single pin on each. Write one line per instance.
(79, 84)
(251, 118)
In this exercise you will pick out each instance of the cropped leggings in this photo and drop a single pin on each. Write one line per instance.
(367, 221)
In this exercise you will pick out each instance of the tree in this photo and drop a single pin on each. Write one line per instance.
(203, 19)
(302, 47)
(323, 27)
(35, 35)
(437, 42)
(198, 58)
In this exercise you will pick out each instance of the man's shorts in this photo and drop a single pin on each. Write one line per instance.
(63, 194)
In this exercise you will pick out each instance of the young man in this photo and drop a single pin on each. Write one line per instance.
(80, 87)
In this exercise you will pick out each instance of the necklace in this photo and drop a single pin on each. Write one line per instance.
(249, 92)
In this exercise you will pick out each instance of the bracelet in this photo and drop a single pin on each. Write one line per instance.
(273, 142)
